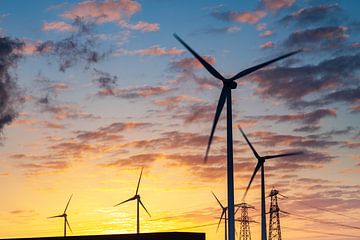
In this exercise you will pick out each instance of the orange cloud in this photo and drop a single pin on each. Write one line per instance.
(58, 26)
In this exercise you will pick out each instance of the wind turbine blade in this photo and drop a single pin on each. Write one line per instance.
(219, 108)
(257, 67)
(217, 200)
(67, 204)
(57, 216)
(144, 207)
(282, 155)
(130, 199)
(221, 217)
(249, 143)
(258, 165)
(68, 224)
(137, 188)
(208, 67)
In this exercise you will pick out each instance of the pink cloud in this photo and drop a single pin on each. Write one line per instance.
(266, 33)
(248, 17)
(173, 101)
(155, 50)
(106, 11)
(241, 17)
(261, 27)
(268, 44)
(141, 26)
(188, 64)
(277, 4)
(58, 26)
(30, 47)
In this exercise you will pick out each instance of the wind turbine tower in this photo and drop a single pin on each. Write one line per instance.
(64, 215)
(138, 203)
(274, 222)
(245, 222)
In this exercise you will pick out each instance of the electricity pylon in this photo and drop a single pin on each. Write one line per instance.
(274, 222)
(244, 222)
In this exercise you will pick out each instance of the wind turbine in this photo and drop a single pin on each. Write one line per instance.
(138, 201)
(223, 214)
(64, 215)
(228, 85)
(260, 164)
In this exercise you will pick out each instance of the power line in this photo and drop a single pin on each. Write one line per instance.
(196, 226)
(325, 210)
(322, 221)
(324, 233)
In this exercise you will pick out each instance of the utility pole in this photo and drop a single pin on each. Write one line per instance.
(274, 222)
(244, 222)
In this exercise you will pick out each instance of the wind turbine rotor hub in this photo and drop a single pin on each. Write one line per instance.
(231, 84)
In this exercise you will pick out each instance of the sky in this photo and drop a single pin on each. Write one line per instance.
(92, 91)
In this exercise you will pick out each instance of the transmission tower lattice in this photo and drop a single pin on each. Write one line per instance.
(244, 222)
(274, 223)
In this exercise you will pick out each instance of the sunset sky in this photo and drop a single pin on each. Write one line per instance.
(92, 91)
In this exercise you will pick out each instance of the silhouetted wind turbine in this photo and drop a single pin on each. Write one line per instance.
(64, 215)
(138, 201)
(260, 164)
(228, 85)
(223, 214)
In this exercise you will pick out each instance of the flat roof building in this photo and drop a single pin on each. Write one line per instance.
(132, 236)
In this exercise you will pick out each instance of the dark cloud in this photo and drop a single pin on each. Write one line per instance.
(346, 95)
(105, 80)
(172, 140)
(10, 54)
(270, 139)
(63, 111)
(310, 15)
(307, 129)
(309, 118)
(135, 92)
(80, 46)
(317, 38)
(111, 132)
(292, 84)
(47, 89)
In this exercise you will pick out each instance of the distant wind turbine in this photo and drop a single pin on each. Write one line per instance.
(138, 201)
(223, 214)
(228, 85)
(260, 164)
(64, 215)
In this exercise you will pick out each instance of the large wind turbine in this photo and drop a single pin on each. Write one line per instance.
(228, 85)
(260, 164)
(64, 215)
(138, 201)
